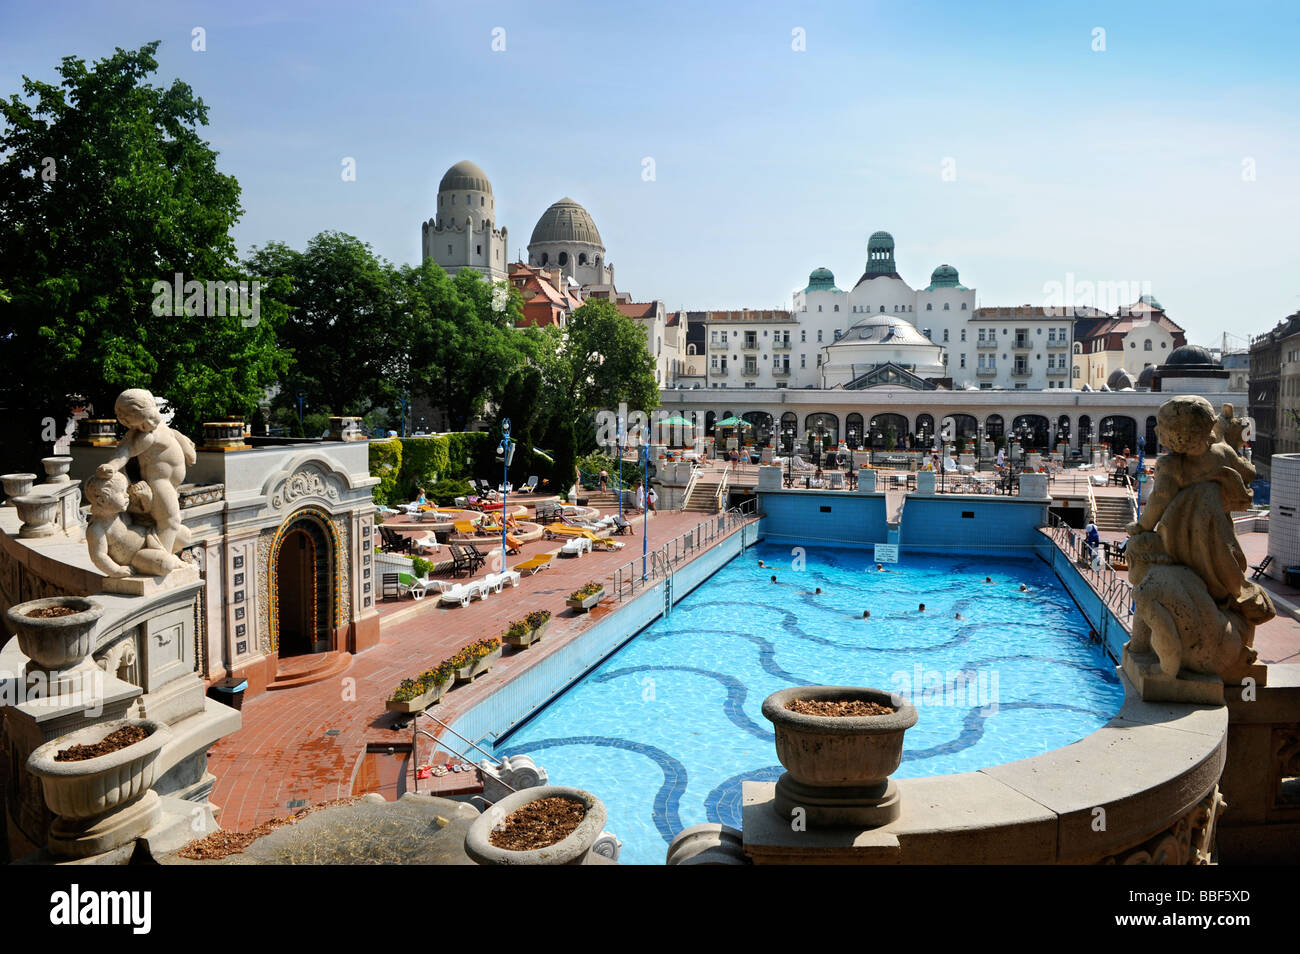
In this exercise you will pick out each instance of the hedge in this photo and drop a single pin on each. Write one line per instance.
(404, 464)
(386, 464)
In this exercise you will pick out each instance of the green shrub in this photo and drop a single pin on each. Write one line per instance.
(446, 491)
(424, 461)
(421, 567)
(386, 464)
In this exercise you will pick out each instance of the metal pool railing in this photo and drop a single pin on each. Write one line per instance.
(1115, 590)
(661, 561)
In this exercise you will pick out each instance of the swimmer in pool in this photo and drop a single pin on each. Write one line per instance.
(819, 589)
(921, 608)
(988, 579)
(866, 614)
(1023, 588)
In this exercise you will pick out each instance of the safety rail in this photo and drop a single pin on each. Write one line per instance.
(416, 732)
(696, 471)
(661, 561)
(1092, 504)
(720, 498)
(1115, 590)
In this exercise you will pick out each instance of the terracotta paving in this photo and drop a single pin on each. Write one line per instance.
(306, 744)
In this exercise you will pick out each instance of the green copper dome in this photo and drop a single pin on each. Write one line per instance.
(945, 276)
(821, 279)
(880, 254)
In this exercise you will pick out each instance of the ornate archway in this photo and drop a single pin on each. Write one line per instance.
(303, 584)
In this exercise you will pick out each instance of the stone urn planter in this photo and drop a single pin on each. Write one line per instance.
(38, 511)
(102, 802)
(575, 849)
(17, 485)
(418, 703)
(474, 670)
(56, 643)
(56, 469)
(96, 431)
(838, 767)
(585, 603)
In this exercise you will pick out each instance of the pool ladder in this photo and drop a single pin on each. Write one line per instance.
(416, 732)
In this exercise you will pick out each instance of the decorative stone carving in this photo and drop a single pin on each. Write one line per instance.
(303, 483)
(1188, 841)
(1196, 611)
(119, 546)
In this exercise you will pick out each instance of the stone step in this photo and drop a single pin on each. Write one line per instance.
(312, 668)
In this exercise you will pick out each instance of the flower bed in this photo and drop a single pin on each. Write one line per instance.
(475, 659)
(585, 597)
(524, 632)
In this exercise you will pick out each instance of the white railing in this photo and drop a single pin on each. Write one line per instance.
(696, 471)
(1115, 590)
(661, 561)
(720, 498)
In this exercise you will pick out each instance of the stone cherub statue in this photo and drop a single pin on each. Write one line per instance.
(162, 455)
(118, 544)
(1195, 607)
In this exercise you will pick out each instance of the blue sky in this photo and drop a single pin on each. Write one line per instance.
(1122, 165)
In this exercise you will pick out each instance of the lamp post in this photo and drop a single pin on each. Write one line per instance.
(618, 444)
(505, 450)
(403, 400)
(645, 513)
(302, 397)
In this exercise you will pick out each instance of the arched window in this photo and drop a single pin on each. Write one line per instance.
(563, 259)
(1152, 440)
(789, 425)
(1146, 345)
(963, 306)
(1078, 348)
(544, 258)
(690, 348)
(924, 430)
(582, 258)
(929, 306)
(946, 307)
(482, 200)
(994, 427)
(887, 432)
(853, 430)
(837, 307)
(882, 309)
(822, 431)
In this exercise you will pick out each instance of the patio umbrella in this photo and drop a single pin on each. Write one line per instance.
(732, 422)
(677, 421)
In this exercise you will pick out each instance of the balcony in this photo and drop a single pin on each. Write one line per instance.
(987, 372)
(778, 345)
(716, 345)
(749, 345)
(991, 344)
(1021, 372)
(749, 372)
(781, 372)
(1023, 344)
(1058, 372)
(1057, 344)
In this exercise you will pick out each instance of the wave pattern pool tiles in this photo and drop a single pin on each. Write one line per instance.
(667, 729)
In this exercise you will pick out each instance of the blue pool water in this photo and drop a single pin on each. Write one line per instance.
(667, 728)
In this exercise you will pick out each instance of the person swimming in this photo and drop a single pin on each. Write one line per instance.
(880, 567)
(1023, 588)
(762, 565)
(921, 608)
(819, 589)
(988, 579)
(773, 577)
(958, 616)
(866, 614)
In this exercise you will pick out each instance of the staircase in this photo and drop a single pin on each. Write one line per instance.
(304, 670)
(704, 496)
(605, 500)
(1113, 512)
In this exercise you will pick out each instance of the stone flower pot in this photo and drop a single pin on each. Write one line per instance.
(573, 850)
(837, 769)
(418, 703)
(103, 802)
(474, 670)
(17, 485)
(55, 643)
(532, 636)
(56, 469)
(587, 602)
(38, 511)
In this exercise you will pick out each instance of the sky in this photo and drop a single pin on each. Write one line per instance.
(726, 150)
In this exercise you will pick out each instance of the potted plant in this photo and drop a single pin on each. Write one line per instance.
(585, 597)
(92, 773)
(503, 834)
(416, 695)
(839, 745)
(475, 659)
(523, 632)
(55, 633)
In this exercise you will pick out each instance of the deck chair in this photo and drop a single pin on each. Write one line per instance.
(553, 530)
(533, 565)
(390, 585)
(622, 526)
(471, 553)
(529, 486)
(465, 527)
(392, 541)
(1262, 568)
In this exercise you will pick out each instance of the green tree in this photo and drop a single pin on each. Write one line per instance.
(349, 323)
(105, 189)
(600, 361)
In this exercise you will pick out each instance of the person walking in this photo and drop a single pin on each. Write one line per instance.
(640, 496)
(735, 461)
(604, 480)
(652, 498)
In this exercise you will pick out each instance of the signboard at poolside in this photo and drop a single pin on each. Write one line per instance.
(886, 552)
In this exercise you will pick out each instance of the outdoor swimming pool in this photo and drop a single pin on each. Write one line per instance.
(665, 730)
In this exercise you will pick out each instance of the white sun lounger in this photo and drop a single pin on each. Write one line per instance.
(498, 580)
(462, 593)
(576, 546)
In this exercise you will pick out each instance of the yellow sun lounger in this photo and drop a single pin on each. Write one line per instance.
(564, 530)
(533, 564)
(465, 527)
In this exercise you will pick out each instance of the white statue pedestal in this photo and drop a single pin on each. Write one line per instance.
(149, 585)
(1143, 670)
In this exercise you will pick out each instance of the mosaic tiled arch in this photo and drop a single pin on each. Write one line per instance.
(325, 523)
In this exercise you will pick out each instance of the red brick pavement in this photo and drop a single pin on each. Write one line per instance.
(284, 753)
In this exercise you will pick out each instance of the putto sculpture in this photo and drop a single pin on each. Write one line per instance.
(135, 529)
(1196, 612)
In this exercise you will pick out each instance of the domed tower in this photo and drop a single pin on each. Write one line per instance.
(821, 279)
(566, 238)
(463, 233)
(880, 255)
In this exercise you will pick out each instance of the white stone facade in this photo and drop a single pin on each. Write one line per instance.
(463, 233)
